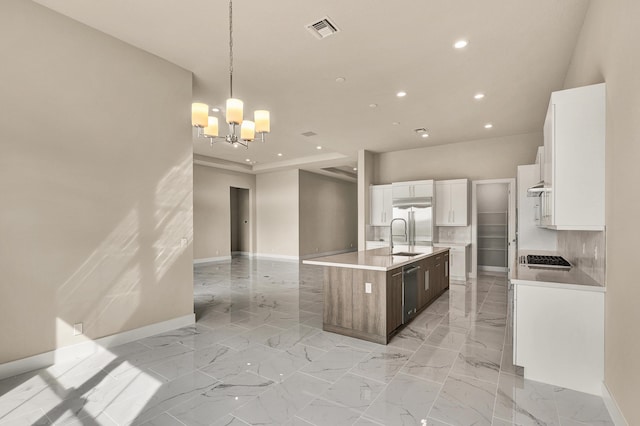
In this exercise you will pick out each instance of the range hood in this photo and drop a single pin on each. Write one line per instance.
(537, 189)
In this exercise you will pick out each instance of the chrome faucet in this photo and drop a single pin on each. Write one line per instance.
(406, 236)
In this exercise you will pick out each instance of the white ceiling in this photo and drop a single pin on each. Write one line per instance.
(518, 53)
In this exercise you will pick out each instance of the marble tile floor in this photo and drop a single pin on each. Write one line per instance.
(258, 355)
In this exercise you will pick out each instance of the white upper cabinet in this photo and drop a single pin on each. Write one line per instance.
(381, 210)
(452, 202)
(413, 189)
(574, 160)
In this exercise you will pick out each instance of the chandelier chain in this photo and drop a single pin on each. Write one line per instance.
(230, 49)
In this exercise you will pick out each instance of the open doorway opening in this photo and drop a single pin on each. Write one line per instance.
(240, 227)
(493, 226)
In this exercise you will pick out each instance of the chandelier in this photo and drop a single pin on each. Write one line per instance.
(208, 126)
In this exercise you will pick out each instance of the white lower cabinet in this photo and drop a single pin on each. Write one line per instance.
(457, 260)
(458, 267)
(558, 335)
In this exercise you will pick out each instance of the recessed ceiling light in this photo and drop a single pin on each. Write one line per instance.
(395, 123)
(401, 94)
(215, 109)
(355, 169)
(461, 44)
(248, 160)
(340, 80)
(373, 105)
(478, 96)
(488, 126)
(279, 154)
(422, 132)
(318, 147)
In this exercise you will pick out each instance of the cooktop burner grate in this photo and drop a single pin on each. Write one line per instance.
(554, 261)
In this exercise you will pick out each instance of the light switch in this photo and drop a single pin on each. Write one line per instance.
(367, 287)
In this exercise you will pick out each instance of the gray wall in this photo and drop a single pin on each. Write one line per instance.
(212, 210)
(278, 225)
(328, 214)
(95, 182)
(607, 51)
(485, 159)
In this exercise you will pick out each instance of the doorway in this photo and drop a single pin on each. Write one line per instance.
(493, 226)
(240, 227)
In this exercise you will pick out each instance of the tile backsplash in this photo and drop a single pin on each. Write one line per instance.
(454, 234)
(586, 250)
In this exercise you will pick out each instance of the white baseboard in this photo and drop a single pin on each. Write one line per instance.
(242, 253)
(84, 349)
(276, 256)
(612, 407)
(492, 269)
(211, 259)
(327, 253)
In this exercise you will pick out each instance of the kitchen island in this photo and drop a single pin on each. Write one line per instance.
(370, 294)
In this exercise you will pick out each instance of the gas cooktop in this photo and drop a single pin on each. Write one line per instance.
(543, 261)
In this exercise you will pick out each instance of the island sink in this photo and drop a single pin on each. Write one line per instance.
(405, 253)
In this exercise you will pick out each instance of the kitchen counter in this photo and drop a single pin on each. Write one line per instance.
(452, 245)
(573, 279)
(558, 326)
(376, 259)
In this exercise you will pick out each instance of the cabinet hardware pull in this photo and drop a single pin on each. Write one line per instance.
(395, 275)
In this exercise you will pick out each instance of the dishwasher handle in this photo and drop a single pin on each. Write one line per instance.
(411, 270)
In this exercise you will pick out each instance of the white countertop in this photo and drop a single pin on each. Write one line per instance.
(376, 259)
(572, 279)
(453, 245)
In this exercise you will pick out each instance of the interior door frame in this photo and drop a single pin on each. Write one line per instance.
(511, 256)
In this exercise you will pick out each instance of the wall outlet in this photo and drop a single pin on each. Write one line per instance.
(184, 242)
(595, 253)
(367, 287)
(77, 329)
(584, 248)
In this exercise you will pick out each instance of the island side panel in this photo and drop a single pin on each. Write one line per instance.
(338, 297)
(369, 309)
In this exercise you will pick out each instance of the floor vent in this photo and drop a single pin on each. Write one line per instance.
(323, 28)
(308, 134)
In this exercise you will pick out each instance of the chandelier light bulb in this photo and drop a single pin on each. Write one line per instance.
(211, 131)
(234, 111)
(199, 114)
(262, 120)
(248, 130)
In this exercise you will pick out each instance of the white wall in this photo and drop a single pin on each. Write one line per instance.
(484, 159)
(607, 51)
(96, 184)
(328, 214)
(212, 210)
(278, 214)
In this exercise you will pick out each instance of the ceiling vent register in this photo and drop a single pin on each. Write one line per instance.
(323, 28)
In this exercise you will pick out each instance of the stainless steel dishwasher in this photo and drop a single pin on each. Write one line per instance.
(409, 292)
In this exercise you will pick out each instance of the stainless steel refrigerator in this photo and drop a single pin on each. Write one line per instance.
(418, 214)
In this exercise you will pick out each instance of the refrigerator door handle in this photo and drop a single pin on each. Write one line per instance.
(411, 238)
